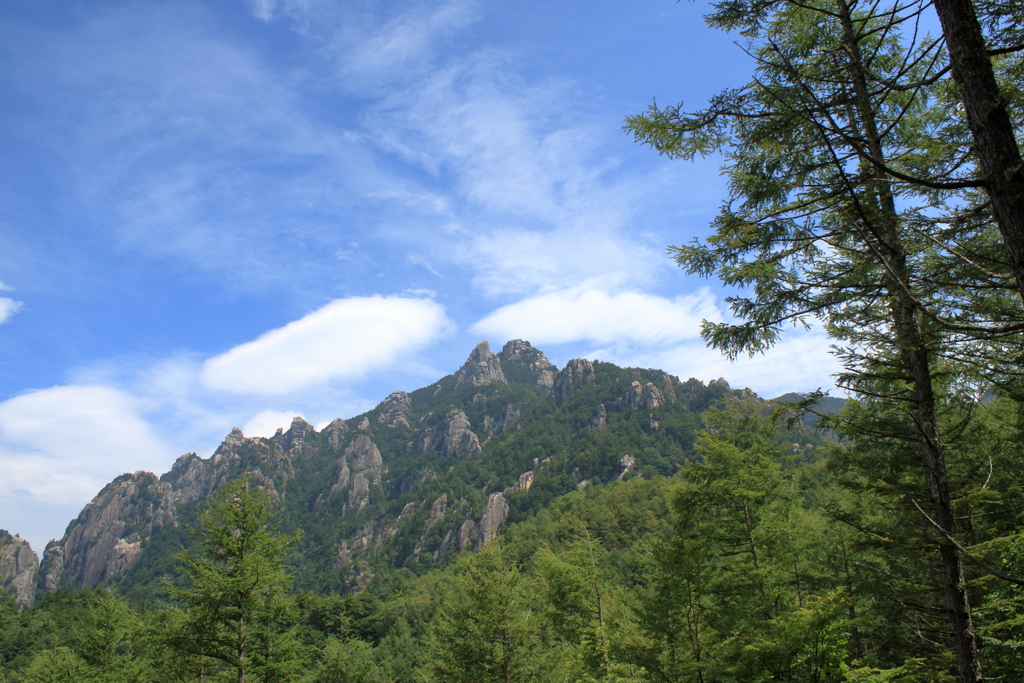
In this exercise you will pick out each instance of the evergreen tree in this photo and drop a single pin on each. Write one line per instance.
(847, 175)
(234, 606)
(487, 627)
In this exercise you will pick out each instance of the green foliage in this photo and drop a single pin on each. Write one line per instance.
(234, 609)
(486, 628)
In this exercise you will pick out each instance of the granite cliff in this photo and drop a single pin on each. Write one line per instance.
(19, 568)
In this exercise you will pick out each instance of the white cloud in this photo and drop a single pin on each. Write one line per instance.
(800, 362)
(345, 339)
(266, 424)
(583, 313)
(638, 329)
(68, 441)
(8, 307)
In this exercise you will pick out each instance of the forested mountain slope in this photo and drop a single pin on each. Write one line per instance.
(411, 483)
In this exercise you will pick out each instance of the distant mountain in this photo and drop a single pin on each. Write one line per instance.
(406, 486)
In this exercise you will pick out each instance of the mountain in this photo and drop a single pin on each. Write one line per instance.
(406, 486)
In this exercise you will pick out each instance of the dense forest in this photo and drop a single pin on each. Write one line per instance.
(876, 190)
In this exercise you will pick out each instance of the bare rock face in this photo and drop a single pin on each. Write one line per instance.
(519, 351)
(524, 483)
(364, 457)
(546, 382)
(481, 368)
(334, 433)
(108, 536)
(503, 422)
(343, 477)
(577, 374)
(19, 569)
(52, 566)
(460, 441)
(359, 492)
(105, 540)
(600, 421)
(641, 396)
(361, 460)
(466, 536)
(494, 516)
(395, 409)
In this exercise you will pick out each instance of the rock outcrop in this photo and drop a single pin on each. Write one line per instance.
(641, 396)
(459, 440)
(600, 421)
(481, 368)
(395, 409)
(519, 351)
(576, 374)
(494, 516)
(546, 382)
(359, 467)
(19, 569)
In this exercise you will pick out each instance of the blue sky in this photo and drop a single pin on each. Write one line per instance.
(225, 213)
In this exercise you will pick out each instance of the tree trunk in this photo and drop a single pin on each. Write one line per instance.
(994, 142)
(913, 350)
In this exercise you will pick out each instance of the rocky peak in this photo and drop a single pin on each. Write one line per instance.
(294, 439)
(519, 351)
(334, 433)
(577, 374)
(395, 409)
(233, 440)
(481, 368)
(19, 567)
